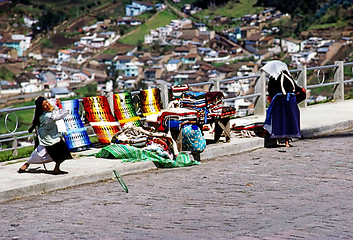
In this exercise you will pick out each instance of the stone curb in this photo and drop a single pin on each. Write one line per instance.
(75, 180)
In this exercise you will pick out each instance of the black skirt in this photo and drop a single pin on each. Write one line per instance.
(59, 152)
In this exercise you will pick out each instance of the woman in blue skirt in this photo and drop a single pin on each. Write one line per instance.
(283, 116)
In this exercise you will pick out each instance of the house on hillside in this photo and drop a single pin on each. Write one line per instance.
(152, 37)
(313, 43)
(64, 55)
(182, 76)
(29, 83)
(102, 59)
(302, 58)
(180, 24)
(16, 41)
(247, 32)
(121, 61)
(59, 92)
(153, 73)
(290, 45)
(131, 21)
(133, 69)
(137, 7)
(10, 89)
(48, 78)
(266, 41)
(173, 65)
(83, 76)
(223, 72)
(190, 58)
(247, 69)
(27, 77)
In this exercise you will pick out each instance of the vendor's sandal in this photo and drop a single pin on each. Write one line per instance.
(22, 169)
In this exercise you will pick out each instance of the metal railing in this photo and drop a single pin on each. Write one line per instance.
(258, 97)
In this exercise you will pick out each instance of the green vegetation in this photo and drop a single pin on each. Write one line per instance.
(232, 9)
(328, 26)
(24, 118)
(5, 74)
(22, 153)
(86, 91)
(160, 19)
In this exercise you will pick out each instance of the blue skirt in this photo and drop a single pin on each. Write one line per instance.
(283, 117)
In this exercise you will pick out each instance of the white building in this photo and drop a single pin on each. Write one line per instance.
(290, 45)
(302, 58)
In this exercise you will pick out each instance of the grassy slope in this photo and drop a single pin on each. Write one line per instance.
(232, 9)
(160, 19)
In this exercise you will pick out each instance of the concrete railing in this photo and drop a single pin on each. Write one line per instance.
(258, 97)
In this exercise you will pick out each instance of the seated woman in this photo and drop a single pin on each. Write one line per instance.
(51, 146)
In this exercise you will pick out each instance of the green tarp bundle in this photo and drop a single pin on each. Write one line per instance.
(132, 154)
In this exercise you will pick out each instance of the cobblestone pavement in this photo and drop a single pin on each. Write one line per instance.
(302, 192)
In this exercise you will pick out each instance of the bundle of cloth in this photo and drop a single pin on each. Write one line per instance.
(214, 102)
(193, 100)
(175, 117)
(137, 144)
(177, 91)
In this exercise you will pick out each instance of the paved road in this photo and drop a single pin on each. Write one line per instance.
(302, 192)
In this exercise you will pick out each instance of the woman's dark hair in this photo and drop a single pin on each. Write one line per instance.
(37, 113)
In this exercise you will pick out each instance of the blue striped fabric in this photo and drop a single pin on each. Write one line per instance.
(76, 136)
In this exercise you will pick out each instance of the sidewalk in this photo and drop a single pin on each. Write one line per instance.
(316, 120)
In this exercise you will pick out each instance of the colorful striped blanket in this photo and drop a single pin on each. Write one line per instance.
(100, 117)
(150, 101)
(124, 110)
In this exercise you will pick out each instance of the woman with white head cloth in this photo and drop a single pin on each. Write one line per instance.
(51, 146)
(283, 116)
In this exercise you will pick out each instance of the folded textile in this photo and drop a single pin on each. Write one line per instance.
(180, 114)
(214, 101)
(133, 133)
(177, 91)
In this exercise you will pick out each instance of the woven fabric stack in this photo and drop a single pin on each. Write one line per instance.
(214, 103)
(178, 90)
(193, 100)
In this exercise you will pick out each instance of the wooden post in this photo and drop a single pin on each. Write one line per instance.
(111, 101)
(339, 78)
(217, 86)
(165, 96)
(260, 87)
(14, 145)
(302, 81)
